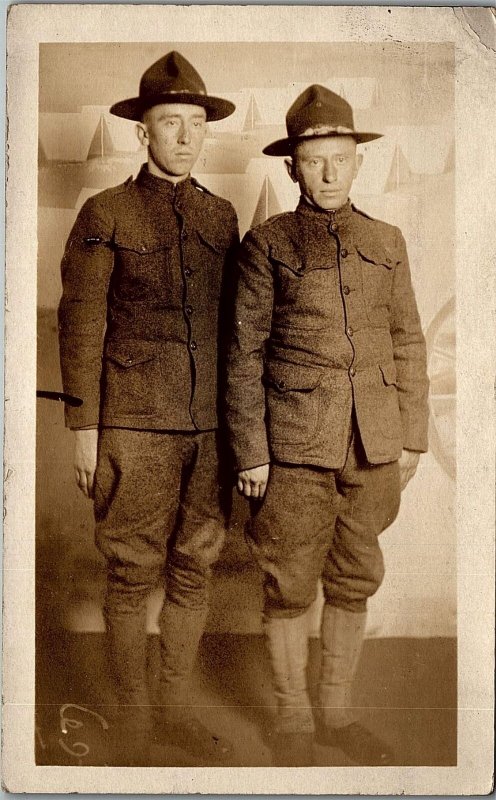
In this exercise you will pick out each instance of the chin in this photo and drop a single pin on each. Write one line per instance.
(330, 205)
(180, 170)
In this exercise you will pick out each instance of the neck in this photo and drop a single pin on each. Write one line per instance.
(319, 208)
(153, 169)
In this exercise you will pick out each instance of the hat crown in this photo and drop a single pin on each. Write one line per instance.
(172, 79)
(171, 74)
(318, 107)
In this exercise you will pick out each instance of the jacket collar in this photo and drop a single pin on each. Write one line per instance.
(188, 200)
(350, 225)
(340, 215)
(160, 185)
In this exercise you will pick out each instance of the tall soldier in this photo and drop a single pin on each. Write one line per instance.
(327, 407)
(138, 319)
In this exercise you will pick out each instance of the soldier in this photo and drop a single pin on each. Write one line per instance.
(327, 409)
(142, 276)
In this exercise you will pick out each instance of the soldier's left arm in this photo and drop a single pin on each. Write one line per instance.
(226, 302)
(411, 361)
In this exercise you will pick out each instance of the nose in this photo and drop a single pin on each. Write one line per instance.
(329, 172)
(184, 134)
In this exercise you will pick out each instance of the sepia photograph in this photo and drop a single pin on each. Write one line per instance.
(245, 474)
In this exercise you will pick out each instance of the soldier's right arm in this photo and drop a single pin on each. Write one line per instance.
(245, 396)
(86, 271)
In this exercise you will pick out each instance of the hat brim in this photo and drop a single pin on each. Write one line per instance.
(285, 147)
(134, 108)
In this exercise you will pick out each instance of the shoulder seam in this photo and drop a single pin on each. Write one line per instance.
(111, 191)
(272, 220)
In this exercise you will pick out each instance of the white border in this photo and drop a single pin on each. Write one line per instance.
(475, 160)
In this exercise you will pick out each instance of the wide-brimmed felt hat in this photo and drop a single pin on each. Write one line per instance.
(172, 79)
(317, 112)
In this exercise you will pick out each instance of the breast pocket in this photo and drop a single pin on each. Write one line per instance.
(377, 270)
(305, 290)
(132, 377)
(293, 402)
(143, 268)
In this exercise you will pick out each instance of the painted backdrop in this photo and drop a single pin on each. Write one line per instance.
(405, 91)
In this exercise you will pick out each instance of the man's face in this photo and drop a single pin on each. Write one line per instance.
(174, 134)
(325, 168)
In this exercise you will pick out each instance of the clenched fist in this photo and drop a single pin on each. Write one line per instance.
(253, 482)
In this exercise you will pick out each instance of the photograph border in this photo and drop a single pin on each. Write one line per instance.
(475, 157)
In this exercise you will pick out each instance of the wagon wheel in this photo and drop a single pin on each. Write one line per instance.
(441, 363)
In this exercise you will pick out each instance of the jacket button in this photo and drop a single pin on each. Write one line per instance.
(349, 331)
(344, 252)
(184, 235)
(346, 289)
(334, 226)
(193, 346)
(189, 310)
(352, 372)
(188, 272)
(282, 384)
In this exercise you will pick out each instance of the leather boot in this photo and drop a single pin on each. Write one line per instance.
(342, 635)
(181, 629)
(130, 720)
(287, 644)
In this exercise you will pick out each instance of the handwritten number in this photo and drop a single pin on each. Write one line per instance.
(84, 749)
(77, 749)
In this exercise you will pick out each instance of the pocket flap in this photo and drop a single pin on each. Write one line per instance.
(293, 260)
(288, 258)
(215, 241)
(141, 245)
(291, 377)
(129, 353)
(388, 373)
(378, 254)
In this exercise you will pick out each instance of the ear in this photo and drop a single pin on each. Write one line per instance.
(142, 133)
(290, 167)
(358, 163)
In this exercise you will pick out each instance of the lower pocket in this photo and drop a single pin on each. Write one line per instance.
(293, 415)
(131, 378)
(388, 413)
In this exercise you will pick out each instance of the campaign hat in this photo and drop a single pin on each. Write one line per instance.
(172, 79)
(317, 112)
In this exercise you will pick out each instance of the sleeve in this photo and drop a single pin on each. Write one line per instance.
(226, 302)
(86, 271)
(250, 329)
(410, 355)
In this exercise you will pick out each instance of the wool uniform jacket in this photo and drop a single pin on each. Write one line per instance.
(142, 278)
(326, 330)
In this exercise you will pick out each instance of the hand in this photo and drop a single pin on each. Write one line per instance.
(253, 482)
(85, 455)
(408, 466)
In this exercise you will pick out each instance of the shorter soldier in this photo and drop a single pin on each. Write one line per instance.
(327, 410)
